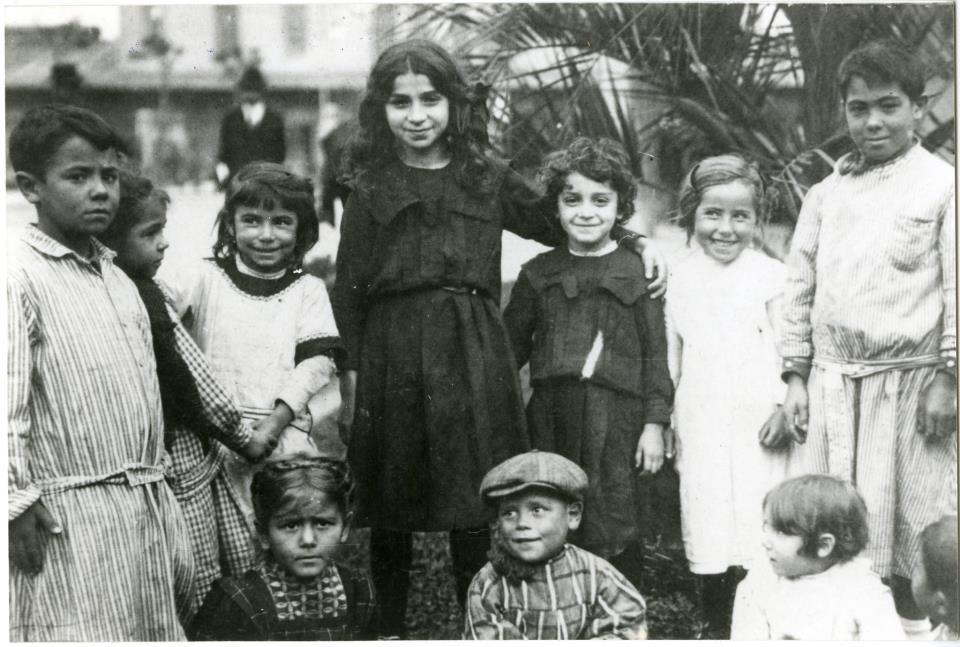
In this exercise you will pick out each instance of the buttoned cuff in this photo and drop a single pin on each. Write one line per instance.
(795, 366)
(19, 500)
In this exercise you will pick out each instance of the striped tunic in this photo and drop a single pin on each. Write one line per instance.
(871, 299)
(575, 596)
(85, 433)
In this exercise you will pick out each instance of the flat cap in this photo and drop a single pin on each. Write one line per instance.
(535, 469)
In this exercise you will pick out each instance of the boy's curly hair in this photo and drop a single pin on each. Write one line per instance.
(883, 61)
(270, 186)
(602, 160)
(287, 480)
(811, 505)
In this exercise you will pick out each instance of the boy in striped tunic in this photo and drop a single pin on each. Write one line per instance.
(869, 320)
(98, 547)
(536, 586)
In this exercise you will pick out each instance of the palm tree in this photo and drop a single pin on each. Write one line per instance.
(680, 81)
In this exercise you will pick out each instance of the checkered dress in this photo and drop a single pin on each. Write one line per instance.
(196, 462)
(267, 604)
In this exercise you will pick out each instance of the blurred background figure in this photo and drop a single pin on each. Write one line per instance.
(249, 132)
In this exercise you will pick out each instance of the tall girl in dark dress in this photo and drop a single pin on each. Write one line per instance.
(437, 400)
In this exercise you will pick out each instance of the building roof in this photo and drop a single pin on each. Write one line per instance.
(32, 51)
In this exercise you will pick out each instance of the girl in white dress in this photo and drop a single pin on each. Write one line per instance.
(267, 329)
(720, 312)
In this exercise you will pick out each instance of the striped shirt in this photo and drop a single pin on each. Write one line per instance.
(872, 265)
(576, 595)
(84, 435)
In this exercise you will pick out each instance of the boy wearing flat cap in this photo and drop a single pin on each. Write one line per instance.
(536, 586)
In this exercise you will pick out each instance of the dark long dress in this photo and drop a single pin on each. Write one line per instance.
(594, 416)
(417, 305)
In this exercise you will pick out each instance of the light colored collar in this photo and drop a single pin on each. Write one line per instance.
(243, 268)
(609, 248)
(253, 114)
(47, 245)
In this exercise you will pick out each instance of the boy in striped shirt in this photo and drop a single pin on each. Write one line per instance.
(98, 546)
(869, 318)
(536, 586)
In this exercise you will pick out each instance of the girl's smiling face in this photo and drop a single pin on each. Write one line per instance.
(725, 222)
(140, 253)
(304, 537)
(418, 116)
(265, 237)
(587, 211)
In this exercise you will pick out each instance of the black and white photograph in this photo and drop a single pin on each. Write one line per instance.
(490, 321)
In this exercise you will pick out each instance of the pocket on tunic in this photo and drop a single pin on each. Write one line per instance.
(914, 240)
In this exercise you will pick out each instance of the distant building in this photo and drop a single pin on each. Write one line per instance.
(186, 59)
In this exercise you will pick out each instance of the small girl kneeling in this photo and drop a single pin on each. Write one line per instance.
(815, 585)
(297, 592)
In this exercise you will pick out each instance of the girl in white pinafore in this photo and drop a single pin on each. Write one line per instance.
(724, 362)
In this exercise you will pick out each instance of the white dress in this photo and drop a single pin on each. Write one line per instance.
(845, 602)
(267, 338)
(725, 366)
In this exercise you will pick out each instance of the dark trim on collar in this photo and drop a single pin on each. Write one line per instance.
(253, 285)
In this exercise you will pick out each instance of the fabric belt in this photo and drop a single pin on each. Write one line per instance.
(132, 474)
(838, 410)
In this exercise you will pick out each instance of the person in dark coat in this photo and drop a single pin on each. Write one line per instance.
(250, 131)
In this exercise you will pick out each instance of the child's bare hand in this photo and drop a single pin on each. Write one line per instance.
(937, 412)
(261, 445)
(796, 409)
(348, 399)
(775, 432)
(649, 454)
(28, 539)
(654, 266)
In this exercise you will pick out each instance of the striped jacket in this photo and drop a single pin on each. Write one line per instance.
(575, 596)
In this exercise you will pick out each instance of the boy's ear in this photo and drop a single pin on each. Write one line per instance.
(263, 539)
(574, 514)
(919, 106)
(347, 523)
(826, 542)
(27, 183)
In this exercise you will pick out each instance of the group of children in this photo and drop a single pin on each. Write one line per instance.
(141, 411)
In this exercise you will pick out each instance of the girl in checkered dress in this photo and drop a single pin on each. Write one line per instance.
(298, 591)
(199, 414)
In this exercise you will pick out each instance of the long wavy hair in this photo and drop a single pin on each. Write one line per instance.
(374, 145)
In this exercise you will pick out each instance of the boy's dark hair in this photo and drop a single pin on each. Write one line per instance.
(280, 483)
(373, 144)
(602, 160)
(883, 61)
(42, 131)
(938, 550)
(271, 186)
(716, 171)
(810, 505)
(136, 192)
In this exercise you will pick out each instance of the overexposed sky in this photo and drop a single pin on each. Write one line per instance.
(107, 18)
